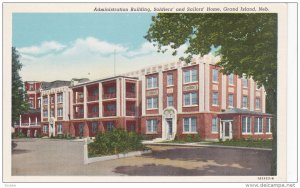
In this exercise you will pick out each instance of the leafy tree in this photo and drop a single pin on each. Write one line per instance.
(247, 44)
(18, 95)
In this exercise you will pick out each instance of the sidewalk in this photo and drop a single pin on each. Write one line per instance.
(202, 144)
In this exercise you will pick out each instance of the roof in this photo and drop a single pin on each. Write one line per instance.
(242, 111)
(55, 84)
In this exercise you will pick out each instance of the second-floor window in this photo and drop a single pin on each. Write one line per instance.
(215, 75)
(151, 102)
(230, 100)
(59, 112)
(151, 82)
(59, 98)
(245, 102)
(215, 98)
(111, 90)
(170, 79)
(170, 100)
(190, 98)
(190, 76)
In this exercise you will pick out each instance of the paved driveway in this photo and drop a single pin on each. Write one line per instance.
(63, 157)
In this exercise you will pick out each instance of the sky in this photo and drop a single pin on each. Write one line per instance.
(62, 46)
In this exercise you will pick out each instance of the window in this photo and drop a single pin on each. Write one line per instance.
(170, 100)
(95, 109)
(45, 100)
(245, 82)
(245, 102)
(111, 90)
(268, 125)
(109, 125)
(31, 88)
(59, 112)
(59, 98)
(45, 113)
(258, 128)
(151, 82)
(189, 125)
(246, 125)
(230, 79)
(152, 126)
(190, 98)
(96, 92)
(111, 107)
(151, 102)
(52, 113)
(45, 129)
(52, 99)
(94, 127)
(230, 100)
(214, 125)
(31, 103)
(59, 128)
(257, 103)
(215, 98)
(81, 110)
(215, 75)
(190, 75)
(170, 79)
(39, 103)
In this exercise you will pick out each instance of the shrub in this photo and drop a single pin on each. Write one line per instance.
(116, 141)
(18, 135)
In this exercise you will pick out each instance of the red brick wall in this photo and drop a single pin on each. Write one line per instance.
(234, 93)
(152, 111)
(174, 87)
(219, 84)
(144, 126)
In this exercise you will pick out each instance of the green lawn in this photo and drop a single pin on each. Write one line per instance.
(246, 143)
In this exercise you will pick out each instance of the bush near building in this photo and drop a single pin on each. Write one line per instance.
(114, 142)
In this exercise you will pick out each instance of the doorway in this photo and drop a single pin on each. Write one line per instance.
(226, 130)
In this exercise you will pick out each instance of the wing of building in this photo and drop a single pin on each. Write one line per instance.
(161, 102)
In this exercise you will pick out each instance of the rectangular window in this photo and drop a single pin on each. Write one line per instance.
(45, 101)
(170, 100)
(230, 100)
(215, 74)
(190, 125)
(59, 112)
(257, 103)
(152, 126)
(151, 102)
(231, 79)
(169, 79)
(245, 102)
(96, 92)
(151, 82)
(245, 82)
(190, 76)
(190, 99)
(246, 125)
(31, 87)
(52, 99)
(110, 90)
(214, 125)
(268, 125)
(59, 128)
(45, 129)
(45, 113)
(111, 107)
(59, 98)
(95, 109)
(109, 125)
(94, 127)
(52, 113)
(215, 98)
(258, 128)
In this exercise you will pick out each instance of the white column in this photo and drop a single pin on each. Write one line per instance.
(263, 102)
(143, 95)
(71, 103)
(20, 120)
(224, 83)
(160, 92)
(35, 121)
(84, 102)
(123, 86)
(100, 99)
(118, 97)
(179, 90)
(201, 87)
(29, 121)
(207, 83)
(252, 94)
(238, 93)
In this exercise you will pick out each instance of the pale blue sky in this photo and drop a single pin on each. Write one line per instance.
(68, 45)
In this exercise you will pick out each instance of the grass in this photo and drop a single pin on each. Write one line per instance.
(246, 143)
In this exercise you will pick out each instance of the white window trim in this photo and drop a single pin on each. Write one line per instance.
(172, 80)
(168, 100)
(213, 99)
(190, 104)
(190, 126)
(243, 102)
(256, 104)
(270, 125)
(152, 99)
(152, 123)
(246, 133)
(213, 81)
(152, 78)
(58, 115)
(190, 82)
(262, 125)
(230, 84)
(214, 132)
(243, 86)
(229, 106)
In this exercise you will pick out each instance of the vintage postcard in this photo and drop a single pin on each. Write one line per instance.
(144, 92)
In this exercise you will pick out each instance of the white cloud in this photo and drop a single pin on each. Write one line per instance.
(145, 49)
(45, 47)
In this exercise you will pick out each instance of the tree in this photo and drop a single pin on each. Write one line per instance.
(247, 45)
(18, 95)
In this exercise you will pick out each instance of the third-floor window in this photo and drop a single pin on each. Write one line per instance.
(59, 98)
(230, 79)
(215, 75)
(151, 82)
(190, 76)
(170, 80)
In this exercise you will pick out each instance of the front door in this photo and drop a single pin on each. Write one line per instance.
(226, 130)
(169, 128)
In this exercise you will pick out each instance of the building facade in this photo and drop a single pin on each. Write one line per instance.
(162, 102)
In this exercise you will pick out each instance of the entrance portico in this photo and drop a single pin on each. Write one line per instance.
(169, 123)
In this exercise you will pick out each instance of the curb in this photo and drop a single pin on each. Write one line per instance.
(211, 146)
